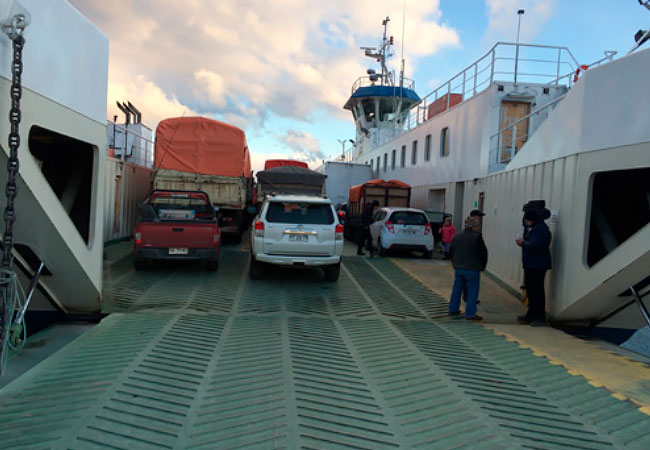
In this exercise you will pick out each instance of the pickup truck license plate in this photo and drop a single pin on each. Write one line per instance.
(178, 251)
(299, 237)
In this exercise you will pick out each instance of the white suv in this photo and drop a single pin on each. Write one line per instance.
(297, 230)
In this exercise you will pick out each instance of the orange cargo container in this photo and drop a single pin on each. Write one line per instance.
(440, 105)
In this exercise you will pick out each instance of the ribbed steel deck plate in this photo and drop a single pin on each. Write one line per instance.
(193, 359)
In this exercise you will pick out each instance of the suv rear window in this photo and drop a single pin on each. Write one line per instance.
(408, 218)
(297, 212)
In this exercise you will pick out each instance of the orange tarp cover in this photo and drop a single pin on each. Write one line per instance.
(355, 191)
(271, 163)
(202, 145)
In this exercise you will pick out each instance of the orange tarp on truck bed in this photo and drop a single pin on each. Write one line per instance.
(271, 163)
(202, 145)
(355, 191)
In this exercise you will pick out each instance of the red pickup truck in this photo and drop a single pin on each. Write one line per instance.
(177, 225)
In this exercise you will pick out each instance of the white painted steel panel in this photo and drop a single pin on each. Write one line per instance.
(65, 57)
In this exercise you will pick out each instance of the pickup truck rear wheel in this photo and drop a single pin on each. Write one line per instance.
(140, 264)
(332, 272)
(256, 269)
(212, 264)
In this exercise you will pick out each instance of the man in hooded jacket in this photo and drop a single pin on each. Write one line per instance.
(536, 259)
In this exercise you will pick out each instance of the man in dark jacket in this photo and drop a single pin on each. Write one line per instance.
(469, 257)
(364, 231)
(536, 258)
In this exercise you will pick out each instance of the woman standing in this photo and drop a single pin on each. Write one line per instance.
(447, 233)
(536, 258)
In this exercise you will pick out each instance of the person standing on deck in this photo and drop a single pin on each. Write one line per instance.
(469, 257)
(536, 259)
(364, 231)
(447, 233)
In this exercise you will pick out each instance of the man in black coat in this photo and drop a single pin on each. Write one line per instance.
(469, 257)
(364, 231)
(536, 258)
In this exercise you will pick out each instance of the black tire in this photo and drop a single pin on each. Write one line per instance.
(212, 264)
(140, 264)
(256, 269)
(427, 254)
(332, 272)
(237, 237)
(381, 251)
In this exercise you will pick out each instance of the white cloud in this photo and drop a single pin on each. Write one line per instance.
(245, 61)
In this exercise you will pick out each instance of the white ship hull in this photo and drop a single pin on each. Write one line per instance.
(601, 125)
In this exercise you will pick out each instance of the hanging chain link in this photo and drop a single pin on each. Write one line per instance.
(14, 143)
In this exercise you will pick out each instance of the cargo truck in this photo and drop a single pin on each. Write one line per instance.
(388, 193)
(201, 154)
(289, 179)
(341, 176)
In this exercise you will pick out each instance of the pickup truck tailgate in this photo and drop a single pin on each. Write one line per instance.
(181, 234)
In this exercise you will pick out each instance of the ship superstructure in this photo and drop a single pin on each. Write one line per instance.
(530, 122)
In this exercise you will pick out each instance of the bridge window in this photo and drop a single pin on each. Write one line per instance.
(414, 153)
(369, 110)
(403, 156)
(427, 148)
(68, 166)
(620, 206)
(444, 142)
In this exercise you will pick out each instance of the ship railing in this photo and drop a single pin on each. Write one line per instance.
(127, 145)
(504, 62)
(509, 140)
(367, 81)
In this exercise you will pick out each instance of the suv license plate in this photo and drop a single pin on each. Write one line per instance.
(178, 251)
(299, 237)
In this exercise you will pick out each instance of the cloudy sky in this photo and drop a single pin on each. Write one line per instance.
(282, 69)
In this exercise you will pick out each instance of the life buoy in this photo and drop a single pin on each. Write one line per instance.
(581, 68)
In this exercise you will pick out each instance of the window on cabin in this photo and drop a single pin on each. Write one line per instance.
(403, 156)
(392, 159)
(368, 110)
(427, 148)
(444, 142)
(385, 162)
(414, 153)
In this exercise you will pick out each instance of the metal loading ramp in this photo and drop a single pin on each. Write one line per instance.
(190, 359)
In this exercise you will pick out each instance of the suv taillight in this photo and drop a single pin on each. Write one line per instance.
(138, 237)
(427, 229)
(339, 233)
(216, 236)
(259, 229)
(389, 226)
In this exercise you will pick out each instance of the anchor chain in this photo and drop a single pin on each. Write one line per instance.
(14, 142)
(8, 290)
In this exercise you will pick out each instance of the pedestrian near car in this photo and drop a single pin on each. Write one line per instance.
(364, 230)
(469, 257)
(447, 233)
(536, 260)
(478, 215)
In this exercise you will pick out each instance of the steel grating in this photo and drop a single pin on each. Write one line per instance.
(199, 359)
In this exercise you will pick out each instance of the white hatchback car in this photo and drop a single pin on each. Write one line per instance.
(402, 229)
(297, 231)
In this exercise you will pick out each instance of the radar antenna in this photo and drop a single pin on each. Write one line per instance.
(381, 54)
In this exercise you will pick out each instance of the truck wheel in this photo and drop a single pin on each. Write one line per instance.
(256, 269)
(212, 264)
(140, 264)
(332, 272)
(381, 251)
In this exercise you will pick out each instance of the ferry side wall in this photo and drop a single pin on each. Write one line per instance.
(126, 185)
